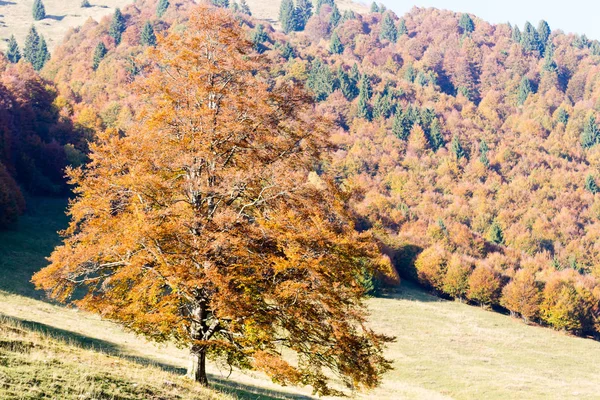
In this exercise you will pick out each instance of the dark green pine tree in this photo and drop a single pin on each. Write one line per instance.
(221, 3)
(483, 150)
(320, 80)
(32, 45)
(258, 37)
(99, 54)
(39, 11)
(35, 50)
(495, 234)
(435, 134)
(590, 185)
(245, 8)
(303, 13)
(402, 125)
(13, 54)
(85, 4)
(562, 116)
(595, 48)
(117, 26)
(388, 29)
(543, 32)
(466, 24)
(364, 95)
(148, 38)
(162, 7)
(591, 133)
(402, 30)
(287, 16)
(234, 7)
(43, 55)
(336, 46)
(374, 8)
(335, 17)
(457, 149)
(383, 106)
(409, 73)
(287, 51)
(516, 34)
(529, 39)
(347, 85)
(354, 74)
(524, 91)
(549, 63)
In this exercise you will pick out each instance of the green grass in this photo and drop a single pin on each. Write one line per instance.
(444, 349)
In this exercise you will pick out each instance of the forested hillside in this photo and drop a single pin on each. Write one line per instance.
(473, 146)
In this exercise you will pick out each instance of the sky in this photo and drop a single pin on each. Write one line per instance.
(572, 16)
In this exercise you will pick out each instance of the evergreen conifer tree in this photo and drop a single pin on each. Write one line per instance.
(221, 3)
(529, 38)
(410, 73)
(383, 106)
(590, 185)
(259, 36)
(347, 85)
(516, 34)
(543, 32)
(402, 30)
(13, 54)
(466, 23)
(354, 74)
(336, 46)
(117, 26)
(364, 95)
(457, 149)
(85, 4)
(437, 139)
(388, 29)
(99, 54)
(320, 80)
(495, 234)
(32, 44)
(483, 150)
(148, 38)
(549, 63)
(524, 91)
(35, 50)
(245, 8)
(335, 17)
(162, 7)
(374, 7)
(303, 13)
(591, 133)
(287, 51)
(287, 16)
(402, 125)
(39, 11)
(562, 116)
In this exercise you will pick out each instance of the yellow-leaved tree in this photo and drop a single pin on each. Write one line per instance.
(205, 223)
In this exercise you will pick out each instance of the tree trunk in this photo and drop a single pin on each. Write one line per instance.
(197, 367)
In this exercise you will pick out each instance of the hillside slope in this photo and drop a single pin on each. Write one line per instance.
(444, 349)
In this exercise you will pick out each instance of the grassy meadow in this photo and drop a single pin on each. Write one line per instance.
(443, 350)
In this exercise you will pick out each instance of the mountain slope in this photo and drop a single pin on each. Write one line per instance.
(443, 350)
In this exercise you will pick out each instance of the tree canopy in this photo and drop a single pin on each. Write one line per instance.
(206, 223)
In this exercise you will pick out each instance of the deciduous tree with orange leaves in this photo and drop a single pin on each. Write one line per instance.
(207, 223)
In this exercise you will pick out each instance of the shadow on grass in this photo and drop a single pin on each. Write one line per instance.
(242, 391)
(56, 17)
(409, 291)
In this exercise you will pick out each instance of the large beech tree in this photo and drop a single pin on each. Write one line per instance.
(206, 224)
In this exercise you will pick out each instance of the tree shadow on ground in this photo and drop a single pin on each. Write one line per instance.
(242, 391)
(56, 17)
(409, 291)
(7, 3)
